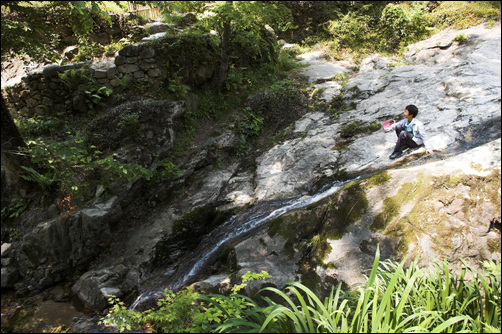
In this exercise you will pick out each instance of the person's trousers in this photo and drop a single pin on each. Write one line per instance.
(403, 137)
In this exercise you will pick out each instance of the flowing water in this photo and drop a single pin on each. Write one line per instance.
(235, 229)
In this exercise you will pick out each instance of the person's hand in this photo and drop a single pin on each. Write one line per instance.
(430, 151)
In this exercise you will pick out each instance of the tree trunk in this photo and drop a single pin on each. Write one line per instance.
(224, 59)
(12, 159)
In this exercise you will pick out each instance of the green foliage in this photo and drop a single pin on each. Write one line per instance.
(393, 299)
(461, 38)
(464, 14)
(177, 89)
(15, 209)
(166, 169)
(222, 309)
(380, 31)
(73, 79)
(249, 127)
(286, 60)
(34, 176)
(39, 125)
(88, 51)
(80, 82)
(94, 95)
(249, 41)
(72, 163)
(184, 311)
(128, 122)
(30, 27)
(401, 25)
(352, 29)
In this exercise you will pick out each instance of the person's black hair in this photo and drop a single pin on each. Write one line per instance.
(412, 110)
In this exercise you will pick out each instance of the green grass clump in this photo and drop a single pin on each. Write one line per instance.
(393, 299)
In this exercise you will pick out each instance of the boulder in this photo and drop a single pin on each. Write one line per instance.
(157, 27)
(9, 277)
(219, 284)
(96, 286)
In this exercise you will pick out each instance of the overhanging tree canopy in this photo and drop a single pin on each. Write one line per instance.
(30, 27)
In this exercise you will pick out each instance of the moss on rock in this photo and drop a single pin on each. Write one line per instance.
(437, 211)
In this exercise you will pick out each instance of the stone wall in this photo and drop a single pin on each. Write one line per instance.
(42, 91)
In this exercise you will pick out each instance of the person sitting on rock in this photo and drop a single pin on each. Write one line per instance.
(410, 133)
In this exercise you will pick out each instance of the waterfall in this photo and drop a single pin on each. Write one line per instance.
(234, 229)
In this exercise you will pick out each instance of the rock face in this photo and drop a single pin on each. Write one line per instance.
(315, 150)
(440, 210)
(443, 215)
(55, 249)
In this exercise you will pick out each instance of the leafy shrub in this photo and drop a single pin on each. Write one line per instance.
(88, 51)
(249, 127)
(14, 209)
(183, 312)
(94, 95)
(352, 30)
(286, 60)
(39, 126)
(82, 88)
(72, 163)
(401, 25)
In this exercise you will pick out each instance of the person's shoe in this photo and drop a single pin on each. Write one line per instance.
(405, 147)
(395, 155)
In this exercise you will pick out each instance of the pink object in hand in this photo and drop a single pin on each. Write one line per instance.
(389, 125)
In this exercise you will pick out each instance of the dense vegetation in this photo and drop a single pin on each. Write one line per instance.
(393, 299)
(67, 162)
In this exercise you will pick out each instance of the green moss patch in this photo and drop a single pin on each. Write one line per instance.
(428, 195)
(355, 128)
(391, 205)
(378, 179)
(309, 230)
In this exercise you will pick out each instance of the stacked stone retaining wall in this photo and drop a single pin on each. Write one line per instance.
(42, 92)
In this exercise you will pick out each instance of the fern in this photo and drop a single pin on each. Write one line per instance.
(43, 181)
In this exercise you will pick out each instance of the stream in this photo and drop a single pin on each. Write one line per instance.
(236, 228)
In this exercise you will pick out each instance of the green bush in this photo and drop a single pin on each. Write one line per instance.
(393, 299)
(401, 25)
(352, 30)
(185, 311)
(461, 38)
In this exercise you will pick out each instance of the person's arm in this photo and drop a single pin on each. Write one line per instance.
(423, 136)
